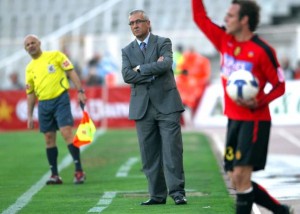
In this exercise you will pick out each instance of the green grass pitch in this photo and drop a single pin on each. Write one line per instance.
(23, 164)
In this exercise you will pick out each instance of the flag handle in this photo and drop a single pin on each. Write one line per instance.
(81, 105)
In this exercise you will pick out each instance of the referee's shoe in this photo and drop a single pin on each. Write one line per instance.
(54, 179)
(79, 177)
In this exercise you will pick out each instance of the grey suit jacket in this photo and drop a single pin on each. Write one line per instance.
(155, 81)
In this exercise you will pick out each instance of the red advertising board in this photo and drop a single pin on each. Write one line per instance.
(108, 107)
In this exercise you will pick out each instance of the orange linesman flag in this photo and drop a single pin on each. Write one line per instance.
(85, 131)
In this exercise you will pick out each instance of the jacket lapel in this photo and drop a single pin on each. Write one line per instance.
(150, 47)
(137, 51)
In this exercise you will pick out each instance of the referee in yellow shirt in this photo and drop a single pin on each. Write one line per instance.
(47, 81)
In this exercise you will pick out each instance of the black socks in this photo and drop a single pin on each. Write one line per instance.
(244, 202)
(52, 154)
(75, 152)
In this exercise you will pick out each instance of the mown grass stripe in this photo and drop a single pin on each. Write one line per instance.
(24, 199)
(206, 191)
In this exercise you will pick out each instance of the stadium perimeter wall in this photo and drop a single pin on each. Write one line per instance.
(109, 107)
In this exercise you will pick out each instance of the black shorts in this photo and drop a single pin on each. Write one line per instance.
(246, 144)
(55, 113)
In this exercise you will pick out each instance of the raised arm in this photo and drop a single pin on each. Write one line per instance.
(212, 31)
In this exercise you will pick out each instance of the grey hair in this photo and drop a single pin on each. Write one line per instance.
(146, 17)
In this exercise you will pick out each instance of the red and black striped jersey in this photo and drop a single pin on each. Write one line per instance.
(254, 55)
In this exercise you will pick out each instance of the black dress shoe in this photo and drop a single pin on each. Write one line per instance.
(180, 200)
(153, 202)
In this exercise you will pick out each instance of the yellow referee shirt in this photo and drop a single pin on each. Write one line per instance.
(46, 76)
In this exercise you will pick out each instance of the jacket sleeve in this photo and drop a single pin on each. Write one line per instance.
(129, 75)
(157, 68)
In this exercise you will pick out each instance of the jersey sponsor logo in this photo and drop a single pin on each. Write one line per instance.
(230, 64)
(66, 63)
(51, 69)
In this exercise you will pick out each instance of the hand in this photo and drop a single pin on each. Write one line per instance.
(160, 59)
(30, 123)
(251, 103)
(82, 97)
(136, 68)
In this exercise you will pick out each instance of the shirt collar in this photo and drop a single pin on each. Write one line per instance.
(145, 40)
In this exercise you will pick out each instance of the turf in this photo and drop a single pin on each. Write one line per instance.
(23, 163)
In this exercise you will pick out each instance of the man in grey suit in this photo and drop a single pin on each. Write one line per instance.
(156, 107)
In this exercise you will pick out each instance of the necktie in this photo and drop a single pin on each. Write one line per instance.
(143, 47)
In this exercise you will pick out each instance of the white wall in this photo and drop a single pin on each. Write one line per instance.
(284, 110)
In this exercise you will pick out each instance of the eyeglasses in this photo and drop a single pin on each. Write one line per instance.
(138, 21)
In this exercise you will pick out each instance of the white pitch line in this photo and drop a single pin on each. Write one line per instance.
(107, 198)
(24, 199)
(290, 137)
(219, 143)
(103, 202)
(220, 146)
(125, 168)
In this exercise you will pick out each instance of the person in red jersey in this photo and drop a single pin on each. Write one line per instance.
(249, 121)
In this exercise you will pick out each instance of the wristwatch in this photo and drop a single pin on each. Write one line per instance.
(81, 91)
